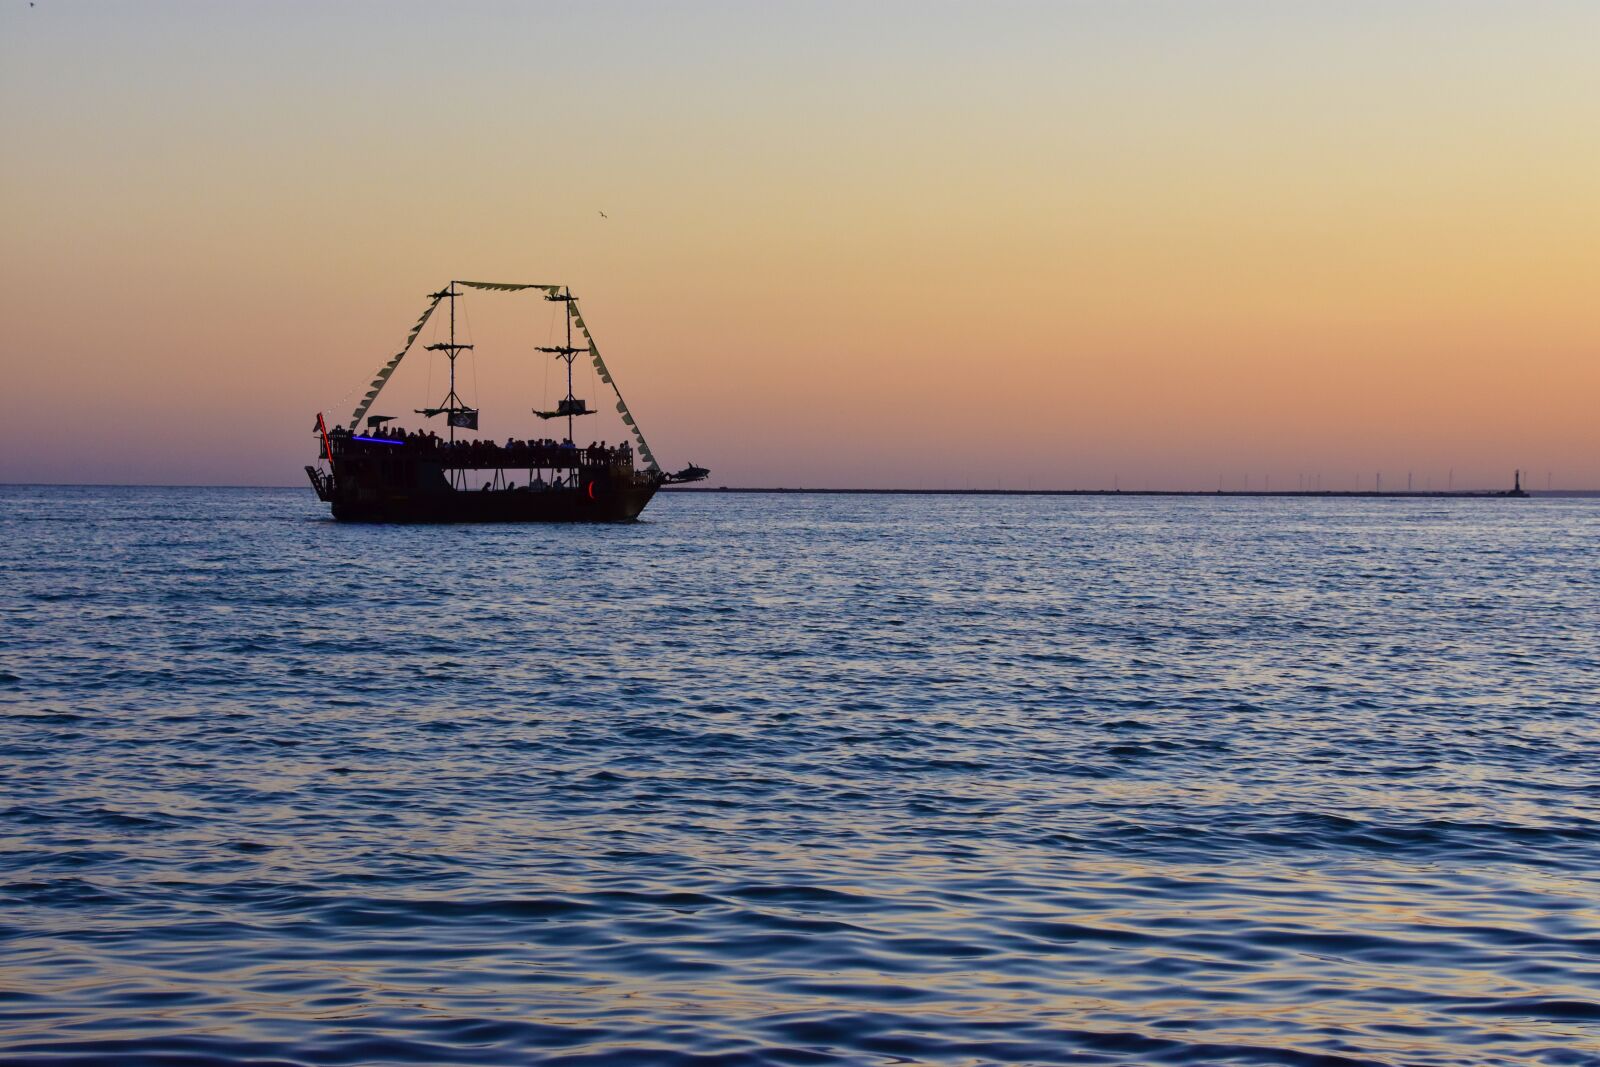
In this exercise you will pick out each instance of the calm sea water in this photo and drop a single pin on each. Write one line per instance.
(800, 780)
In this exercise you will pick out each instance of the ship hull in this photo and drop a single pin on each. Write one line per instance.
(420, 492)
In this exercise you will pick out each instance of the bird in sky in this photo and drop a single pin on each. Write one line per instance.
(604, 215)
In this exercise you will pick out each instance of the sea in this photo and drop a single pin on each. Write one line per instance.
(800, 780)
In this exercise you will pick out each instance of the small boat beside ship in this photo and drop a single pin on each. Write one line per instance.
(388, 475)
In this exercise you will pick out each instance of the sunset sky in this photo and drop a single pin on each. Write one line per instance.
(858, 244)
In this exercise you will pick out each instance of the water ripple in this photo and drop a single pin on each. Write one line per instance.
(799, 780)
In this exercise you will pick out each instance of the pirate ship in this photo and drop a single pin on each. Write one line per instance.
(389, 475)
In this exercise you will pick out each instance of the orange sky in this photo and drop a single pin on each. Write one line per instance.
(1041, 245)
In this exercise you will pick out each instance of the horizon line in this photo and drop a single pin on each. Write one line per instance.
(1447, 494)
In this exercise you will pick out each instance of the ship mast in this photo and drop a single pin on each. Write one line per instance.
(570, 373)
(452, 402)
(571, 406)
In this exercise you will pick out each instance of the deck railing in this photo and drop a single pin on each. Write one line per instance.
(486, 455)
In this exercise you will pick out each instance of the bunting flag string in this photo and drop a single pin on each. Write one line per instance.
(605, 376)
(388, 368)
(506, 287)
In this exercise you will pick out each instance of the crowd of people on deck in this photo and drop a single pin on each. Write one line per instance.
(547, 452)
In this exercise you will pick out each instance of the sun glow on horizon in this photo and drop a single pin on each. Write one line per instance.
(1059, 246)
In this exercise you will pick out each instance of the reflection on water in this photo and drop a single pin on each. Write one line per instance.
(801, 780)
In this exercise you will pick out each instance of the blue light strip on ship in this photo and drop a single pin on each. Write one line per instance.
(376, 440)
